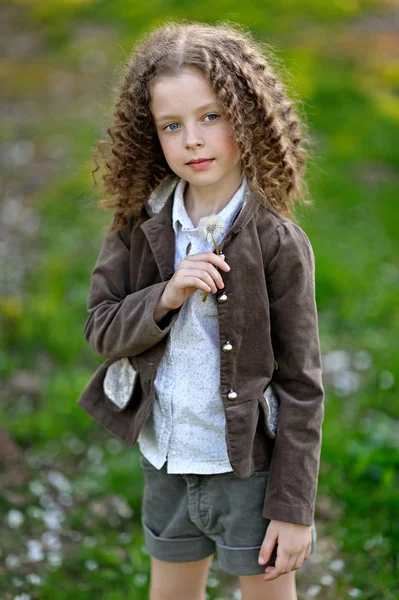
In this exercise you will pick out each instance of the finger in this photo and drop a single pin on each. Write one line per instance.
(191, 280)
(273, 573)
(210, 257)
(208, 268)
(293, 560)
(300, 559)
(186, 277)
(280, 565)
(267, 547)
(198, 283)
(201, 274)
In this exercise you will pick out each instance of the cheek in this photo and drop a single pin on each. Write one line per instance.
(167, 147)
(228, 143)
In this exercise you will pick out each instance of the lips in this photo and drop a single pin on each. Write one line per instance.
(198, 161)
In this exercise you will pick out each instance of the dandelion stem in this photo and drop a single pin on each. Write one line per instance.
(205, 296)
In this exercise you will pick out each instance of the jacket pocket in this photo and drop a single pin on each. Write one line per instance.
(270, 405)
(119, 384)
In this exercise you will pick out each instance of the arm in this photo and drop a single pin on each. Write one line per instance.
(290, 277)
(122, 323)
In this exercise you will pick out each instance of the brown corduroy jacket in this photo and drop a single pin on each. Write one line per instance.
(267, 311)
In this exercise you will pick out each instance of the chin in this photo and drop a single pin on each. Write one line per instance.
(202, 180)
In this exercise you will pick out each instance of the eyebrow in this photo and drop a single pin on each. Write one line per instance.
(200, 108)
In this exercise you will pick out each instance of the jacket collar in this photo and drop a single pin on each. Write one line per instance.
(158, 227)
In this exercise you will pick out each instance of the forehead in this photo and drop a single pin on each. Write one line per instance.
(187, 90)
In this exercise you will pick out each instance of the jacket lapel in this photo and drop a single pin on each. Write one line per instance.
(161, 237)
(252, 203)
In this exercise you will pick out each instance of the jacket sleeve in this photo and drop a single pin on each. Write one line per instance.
(122, 323)
(297, 382)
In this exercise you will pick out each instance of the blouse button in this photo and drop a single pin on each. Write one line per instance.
(227, 347)
(223, 298)
(232, 395)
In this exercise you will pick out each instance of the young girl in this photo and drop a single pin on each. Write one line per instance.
(213, 360)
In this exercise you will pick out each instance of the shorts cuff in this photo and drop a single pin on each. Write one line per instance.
(177, 549)
(244, 561)
(239, 561)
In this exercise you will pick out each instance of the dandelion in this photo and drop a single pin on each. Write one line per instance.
(210, 228)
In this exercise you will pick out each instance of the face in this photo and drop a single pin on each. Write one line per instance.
(190, 125)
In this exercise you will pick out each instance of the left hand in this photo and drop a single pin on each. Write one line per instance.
(294, 546)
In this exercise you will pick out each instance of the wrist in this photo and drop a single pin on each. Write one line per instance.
(160, 310)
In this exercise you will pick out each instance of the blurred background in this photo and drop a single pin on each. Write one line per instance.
(70, 492)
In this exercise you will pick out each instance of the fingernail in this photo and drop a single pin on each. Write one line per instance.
(261, 561)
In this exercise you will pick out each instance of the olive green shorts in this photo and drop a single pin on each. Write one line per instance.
(189, 517)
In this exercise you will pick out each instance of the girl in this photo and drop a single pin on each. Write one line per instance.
(223, 393)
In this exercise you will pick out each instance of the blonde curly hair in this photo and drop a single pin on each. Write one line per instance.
(243, 75)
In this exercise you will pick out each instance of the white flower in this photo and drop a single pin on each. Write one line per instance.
(337, 565)
(15, 518)
(35, 551)
(212, 225)
(91, 565)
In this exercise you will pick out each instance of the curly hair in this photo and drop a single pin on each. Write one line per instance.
(243, 75)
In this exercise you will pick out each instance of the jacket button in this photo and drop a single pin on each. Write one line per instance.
(227, 347)
(232, 395)
(222, 298)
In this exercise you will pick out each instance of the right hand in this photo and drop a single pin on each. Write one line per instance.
(195, 272)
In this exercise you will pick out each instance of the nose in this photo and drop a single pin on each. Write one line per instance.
(193, 137)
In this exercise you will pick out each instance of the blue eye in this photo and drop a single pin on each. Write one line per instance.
(170, 124)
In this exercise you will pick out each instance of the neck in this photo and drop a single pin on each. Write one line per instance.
(202, 201)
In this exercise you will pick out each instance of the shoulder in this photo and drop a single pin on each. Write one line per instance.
(281, 236)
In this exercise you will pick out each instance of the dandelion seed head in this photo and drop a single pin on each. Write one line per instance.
(213, 225)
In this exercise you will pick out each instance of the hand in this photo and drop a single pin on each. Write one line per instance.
(294, 546)
(196, 271)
